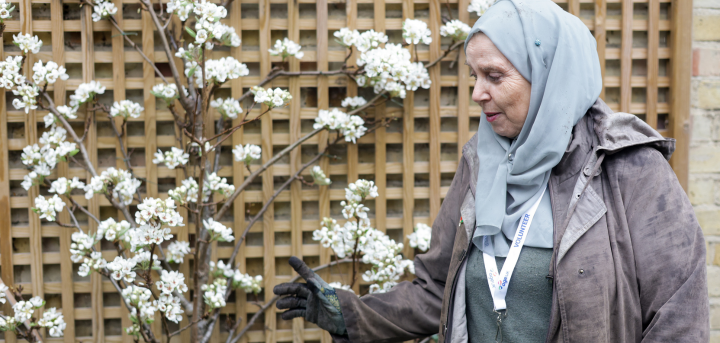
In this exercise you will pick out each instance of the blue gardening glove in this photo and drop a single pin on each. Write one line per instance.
(315, 300)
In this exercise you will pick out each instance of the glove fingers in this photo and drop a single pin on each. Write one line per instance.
(301, 268)
(291, 303)
(300, 289)
(290, 314)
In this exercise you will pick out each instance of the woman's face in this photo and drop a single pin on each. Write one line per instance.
(500, 89)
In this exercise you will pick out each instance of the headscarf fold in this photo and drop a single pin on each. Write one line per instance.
(557, 54)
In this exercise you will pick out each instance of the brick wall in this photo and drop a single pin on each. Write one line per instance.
(704, 186)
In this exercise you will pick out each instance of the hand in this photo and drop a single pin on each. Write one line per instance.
(315, 300)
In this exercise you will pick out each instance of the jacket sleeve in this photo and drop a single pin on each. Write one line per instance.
(669, 254)
(411, 309)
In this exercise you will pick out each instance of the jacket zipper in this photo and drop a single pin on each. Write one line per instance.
(454, 285)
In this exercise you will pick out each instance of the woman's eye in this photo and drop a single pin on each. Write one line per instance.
(494, 77)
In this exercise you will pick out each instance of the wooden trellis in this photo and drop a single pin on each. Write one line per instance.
(644, 46)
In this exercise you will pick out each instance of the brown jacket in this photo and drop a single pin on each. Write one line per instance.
(629, 261)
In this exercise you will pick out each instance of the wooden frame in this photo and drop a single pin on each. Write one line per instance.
(412, 161)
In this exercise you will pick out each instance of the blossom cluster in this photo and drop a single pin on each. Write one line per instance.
(126, 109)
(247, 283)
(176, 251)
(214, 294)
(285, 48)
(64, 186)
(218, 231)
(455, 29)
(247, 153)
(3, 288)
(362, 41)
(207, 26)
(420, 239)
(26, 97)
(6, 9)
(167, 92)
(228, 108)
(187, 192)
(23, 310)
(271, 97)
(121, 181)
(10, 72)
(216, 71)
(319, 176)
(416, 31)
(48, 208)
(103, 9)
(139, 298)
(358, 236)
(27, 43)
(172, 281)
(50, 72)
(43, 159)
(156, 212)
(216, 184)
(390, 69)
(354, 102)
(172, 158)
(122, 269)
(352, 127)
(480, 6)
(146, 235)
(170, 305)
(112, 230)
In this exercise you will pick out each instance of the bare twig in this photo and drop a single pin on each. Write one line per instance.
(445, 53)
(111, 19)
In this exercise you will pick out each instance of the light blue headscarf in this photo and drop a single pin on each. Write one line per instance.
(557, 54)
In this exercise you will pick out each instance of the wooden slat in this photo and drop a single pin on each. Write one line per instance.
(626, 56)
(380, 141)
(434, 123)
(408, 179)
(652, 63)
(680, 92)
(600, 36)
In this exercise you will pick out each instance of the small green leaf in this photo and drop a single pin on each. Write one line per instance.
(190, 31)
(74, 152)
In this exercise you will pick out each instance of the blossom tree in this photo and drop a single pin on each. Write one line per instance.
(145, 270)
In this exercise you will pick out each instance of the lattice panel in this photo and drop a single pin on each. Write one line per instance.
(412, 161)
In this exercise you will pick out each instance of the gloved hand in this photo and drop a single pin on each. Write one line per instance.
(315, 300)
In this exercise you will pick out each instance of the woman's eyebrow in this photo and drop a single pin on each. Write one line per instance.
(490, 69)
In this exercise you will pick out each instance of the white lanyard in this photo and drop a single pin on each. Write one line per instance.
(499, 282)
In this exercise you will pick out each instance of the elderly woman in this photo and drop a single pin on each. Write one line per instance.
(564, 222)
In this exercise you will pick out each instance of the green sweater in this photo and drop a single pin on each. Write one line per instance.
(529, 299)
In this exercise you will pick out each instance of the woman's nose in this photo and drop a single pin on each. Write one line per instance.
(480, 94)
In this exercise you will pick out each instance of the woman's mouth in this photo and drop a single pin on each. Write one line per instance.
(491, 116)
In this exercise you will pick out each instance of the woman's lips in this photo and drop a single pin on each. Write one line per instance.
(491, 116)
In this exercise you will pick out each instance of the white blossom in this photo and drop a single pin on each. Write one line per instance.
(351, 127)
(220, 269)
(346, 37)
(416, 31)
(216, 184)
(126, 109)
(170, 305)
(172, 158)
(218, 231)
(66, 111)
(370, 40)
(420, 239)
(112, 230)
(85, 93)
(224, 69)
(455, 29)
(10, 72)
(24, 309)
(27, 94)
(48, 208)
(154, 212)
(228, 108)
(171, 282)
(65, 186)
(139, 297)
(247, 283)
(187, 192)
(319, 176)
(271, 97)
(124, 184)
(286, 48)
(3, 288)
(391, 69)
(49, 72)
(182, 8)
(167, 92)
(54, 322)
(81, 246)
(103, 9)
(354, 102)
(480, 6)
(214, 294)
(176, 251)
(27, 43)
(6, 9)
(247, 153)
(122, 269)
(93, 262)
